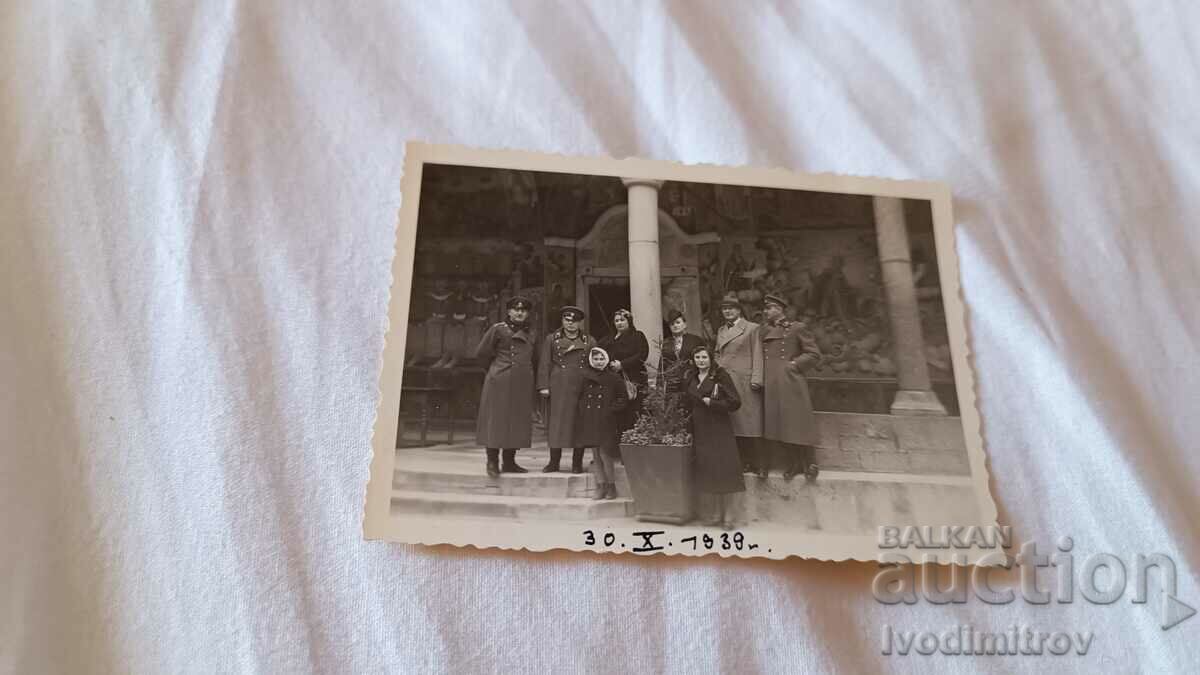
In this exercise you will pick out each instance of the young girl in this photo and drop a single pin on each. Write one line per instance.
(718, 469)
(601, 400)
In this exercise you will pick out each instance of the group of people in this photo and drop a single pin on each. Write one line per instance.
(589, 389)
(749, 398)
(747, 394)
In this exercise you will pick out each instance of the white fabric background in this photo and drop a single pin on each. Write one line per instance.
(196, 221)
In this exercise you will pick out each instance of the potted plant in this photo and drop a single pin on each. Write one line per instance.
(657, 452)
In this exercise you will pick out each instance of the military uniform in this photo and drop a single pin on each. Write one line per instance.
(561, 369)
(505, 406)
(788, 351)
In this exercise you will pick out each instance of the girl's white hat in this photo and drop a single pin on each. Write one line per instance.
(603, 353)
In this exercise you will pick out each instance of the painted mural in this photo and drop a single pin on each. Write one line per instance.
(831, 279)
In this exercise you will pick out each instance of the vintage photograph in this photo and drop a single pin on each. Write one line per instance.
(742, 362)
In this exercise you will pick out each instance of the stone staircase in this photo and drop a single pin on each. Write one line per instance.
(451, 481)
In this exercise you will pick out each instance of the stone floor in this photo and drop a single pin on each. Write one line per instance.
(851, 442)
(449, 481)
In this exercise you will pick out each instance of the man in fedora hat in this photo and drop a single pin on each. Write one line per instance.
(788, 421)
(739, 352)
(505, 405)
(560, 378)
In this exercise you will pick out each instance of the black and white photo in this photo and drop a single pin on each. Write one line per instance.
(591, 347)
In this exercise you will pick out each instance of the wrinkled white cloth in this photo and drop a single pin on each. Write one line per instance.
(197, 212)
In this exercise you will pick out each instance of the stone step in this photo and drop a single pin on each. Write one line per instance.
(501, 506)
(476, 481)
(540, 454)
(452, 482)
(457, 471)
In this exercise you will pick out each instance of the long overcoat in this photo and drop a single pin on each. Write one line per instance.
(560, 369)
(788, 351)
(601, 399)
(506, 404)
(630, 348)
(718, 469)
(739, 351)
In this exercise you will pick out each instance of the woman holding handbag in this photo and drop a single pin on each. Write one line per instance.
(628, 349)
(718, 470)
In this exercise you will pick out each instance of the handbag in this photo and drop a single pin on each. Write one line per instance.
(630, 388)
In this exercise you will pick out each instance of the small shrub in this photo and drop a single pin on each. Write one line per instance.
(663, 420)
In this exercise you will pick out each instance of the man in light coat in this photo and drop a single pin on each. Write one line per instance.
(739, 352)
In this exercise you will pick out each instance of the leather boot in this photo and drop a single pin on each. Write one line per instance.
(555, 458)
(509, 464)
(792, 469)
(576, 460)
(493, 462)
(601, 491)
(811, 471)
(611, 492)
(795, 463)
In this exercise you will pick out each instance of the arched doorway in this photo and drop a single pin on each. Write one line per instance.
(602, 264)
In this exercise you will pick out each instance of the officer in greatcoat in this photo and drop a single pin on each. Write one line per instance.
(788, 421)
(560, 379)
(505, 406)
(739, 352)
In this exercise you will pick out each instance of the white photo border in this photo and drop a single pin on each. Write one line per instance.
(380, 524)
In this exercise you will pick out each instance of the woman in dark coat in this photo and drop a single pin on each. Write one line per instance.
(628, 350)
(505, 406)
(718, 470)
(677, 355)
(601, 400)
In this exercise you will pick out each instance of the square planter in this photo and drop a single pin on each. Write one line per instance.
(660, 478)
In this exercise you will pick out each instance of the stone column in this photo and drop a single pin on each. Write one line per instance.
(916, 395)
(645, 275)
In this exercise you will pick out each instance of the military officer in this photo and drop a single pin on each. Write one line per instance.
(560, 379)
(788, 421)
(505, 406)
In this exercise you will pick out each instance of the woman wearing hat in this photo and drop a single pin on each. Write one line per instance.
(505, 405)
(628, 349)
(788, 420)
(677, 353)
(712, 396)
(601, 400)
(560, 377)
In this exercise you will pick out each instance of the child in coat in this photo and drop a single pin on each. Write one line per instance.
(597, 423)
